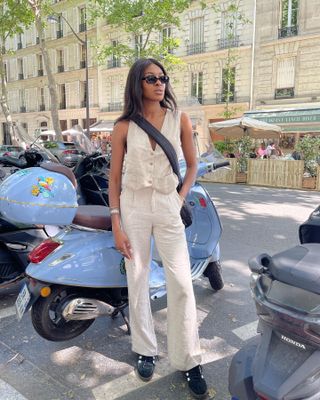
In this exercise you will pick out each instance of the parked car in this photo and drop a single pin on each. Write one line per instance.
(66, 152)
(10, 150)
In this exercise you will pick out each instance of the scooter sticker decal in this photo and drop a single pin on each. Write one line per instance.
(123, 267)
(43, 187)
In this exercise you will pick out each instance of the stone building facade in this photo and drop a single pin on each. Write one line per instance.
(276, 65)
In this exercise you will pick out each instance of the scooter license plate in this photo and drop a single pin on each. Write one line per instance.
(22, 301)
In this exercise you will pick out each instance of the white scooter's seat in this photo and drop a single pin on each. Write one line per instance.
(298, 266)
(96, 217)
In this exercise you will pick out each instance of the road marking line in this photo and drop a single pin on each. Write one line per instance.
(7, 392)
(8, 312)
(247, 331)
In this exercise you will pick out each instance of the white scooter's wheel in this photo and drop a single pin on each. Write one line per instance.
(47, 319)
(213, 273)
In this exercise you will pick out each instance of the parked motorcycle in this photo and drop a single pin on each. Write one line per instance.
(283, 362)
(18, 240)
(78, 275)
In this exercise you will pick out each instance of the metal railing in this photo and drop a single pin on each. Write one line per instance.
(284, 93)
(82, 63)
(196, 48)
(60, 68)
(115, 106)
(20, 76)
(222, 98)
(288, 31)
(42, 107)
(59, 34)
(22, 109)
(227, 43)
(40, 72)
(114, 63)
(82, 27)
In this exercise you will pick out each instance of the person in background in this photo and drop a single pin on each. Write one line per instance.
(269, 149)
(262, 152)
(144, 203)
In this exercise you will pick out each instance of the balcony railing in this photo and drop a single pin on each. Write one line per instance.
(22, 109)
(284, 93)
(82, 27)
(288, 31)
(37, 40)
(60, 68)
(222, 98)
(19, 46)
(82, 64)
(20, 77)
(62, 105)
(115, 106)
(196, 48)
(83, 103)
(59, 34)
(114, 63)
(42, 107)
(40, 72)
(227, 43)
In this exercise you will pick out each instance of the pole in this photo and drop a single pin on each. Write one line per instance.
(253, 54)
(87, 86)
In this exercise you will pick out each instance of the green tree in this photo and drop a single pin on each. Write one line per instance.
(15, 17)
(41, 9)
(144, 21)
(231, 17)
(309, 147)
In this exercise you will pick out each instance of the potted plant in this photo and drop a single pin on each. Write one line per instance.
(244, 145)
(309, 148)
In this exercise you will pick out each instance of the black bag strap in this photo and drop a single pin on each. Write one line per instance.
(162, 141)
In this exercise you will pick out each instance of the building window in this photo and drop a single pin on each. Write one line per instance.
(5, 66)
(197, 86)
(83, 94)
(196, 44)
(82, 56)
(229, 37)
(289, 18)
(22, 100)
(19, 44)
(60, 58)
(74, 122)
(20, 69)
(114, 61)
(165, 38)
(59, 28)
(62, 97)
(42, 103)
(63, 124)
(83, 19)
(285, 78)
(228, 86)
(40, 64)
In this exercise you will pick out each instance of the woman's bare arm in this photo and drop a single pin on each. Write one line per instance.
(189, 152)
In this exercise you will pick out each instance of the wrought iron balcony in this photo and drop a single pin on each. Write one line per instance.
(60, 68)
(83, 103)
(82, 64)
(227, 43)
(20, 76)
(114, 63)
(288, 31)
(223, 98)
(22, 109)
(42, 107)
(59, 34)
(284, 93)
(19, 45)
(115, 106)
(37, 40)
(40, 72)
(62, 105)
(196, 48)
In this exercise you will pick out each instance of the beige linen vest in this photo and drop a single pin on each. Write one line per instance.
(145, 167)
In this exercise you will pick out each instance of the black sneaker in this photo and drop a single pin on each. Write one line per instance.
(196, 382)
(145, 367)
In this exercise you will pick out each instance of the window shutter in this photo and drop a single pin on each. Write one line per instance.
(285, 73)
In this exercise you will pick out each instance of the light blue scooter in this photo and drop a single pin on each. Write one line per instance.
(78, 275)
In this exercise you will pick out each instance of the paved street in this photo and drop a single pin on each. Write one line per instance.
(99, 365)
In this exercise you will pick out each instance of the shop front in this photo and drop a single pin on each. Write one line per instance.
(295, 123)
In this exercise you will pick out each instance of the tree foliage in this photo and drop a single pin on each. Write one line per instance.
(144, 20)
(309, 147)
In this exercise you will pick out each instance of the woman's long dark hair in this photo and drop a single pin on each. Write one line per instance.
(133, 104)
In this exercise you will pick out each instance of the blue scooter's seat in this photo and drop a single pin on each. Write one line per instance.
(298, 266)
(95, 217)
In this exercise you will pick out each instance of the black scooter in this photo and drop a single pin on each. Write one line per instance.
(18, 240)
(283, 362)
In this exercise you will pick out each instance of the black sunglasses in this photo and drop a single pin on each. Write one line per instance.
(152, 79)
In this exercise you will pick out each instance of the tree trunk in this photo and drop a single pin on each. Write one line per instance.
(51, 81)
(4, 99)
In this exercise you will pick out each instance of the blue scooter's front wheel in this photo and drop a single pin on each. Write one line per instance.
(213, 273)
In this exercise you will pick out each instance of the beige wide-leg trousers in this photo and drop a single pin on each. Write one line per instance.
(144, 213)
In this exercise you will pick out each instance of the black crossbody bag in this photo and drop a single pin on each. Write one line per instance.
(163, 142)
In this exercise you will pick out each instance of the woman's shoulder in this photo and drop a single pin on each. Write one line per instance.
(121, 127)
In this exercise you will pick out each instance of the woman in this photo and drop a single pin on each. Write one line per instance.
(144, 202)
